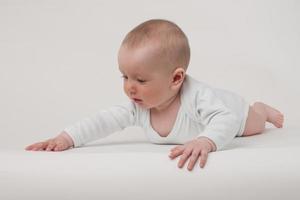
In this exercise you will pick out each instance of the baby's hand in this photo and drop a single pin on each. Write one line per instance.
(193, 149)
(59, 143)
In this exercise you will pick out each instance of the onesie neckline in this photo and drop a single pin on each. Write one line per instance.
(175, 125)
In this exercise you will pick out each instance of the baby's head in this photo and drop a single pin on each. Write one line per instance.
(153, 59)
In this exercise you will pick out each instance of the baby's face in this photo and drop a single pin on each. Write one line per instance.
(146, 80)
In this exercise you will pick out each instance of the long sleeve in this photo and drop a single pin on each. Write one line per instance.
(102, 124)
(221, 124)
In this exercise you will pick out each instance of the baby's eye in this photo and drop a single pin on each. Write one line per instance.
(124, 77)
(141, 81)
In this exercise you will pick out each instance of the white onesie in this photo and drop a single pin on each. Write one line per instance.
(204, 111)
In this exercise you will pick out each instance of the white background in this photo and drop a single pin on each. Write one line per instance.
(58, 59)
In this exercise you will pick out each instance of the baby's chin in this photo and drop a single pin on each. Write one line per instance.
(143, 105)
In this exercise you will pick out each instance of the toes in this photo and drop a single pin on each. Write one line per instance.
(279, 121)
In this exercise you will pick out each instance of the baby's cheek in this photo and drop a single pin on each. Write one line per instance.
(150, 98)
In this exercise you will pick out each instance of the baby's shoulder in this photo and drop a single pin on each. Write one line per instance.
(192, 92)
(193, 89)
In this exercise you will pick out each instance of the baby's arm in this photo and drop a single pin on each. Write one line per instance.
(221, 126)
(61, 142)
(221, 123)
(102, 124)
(98, 126)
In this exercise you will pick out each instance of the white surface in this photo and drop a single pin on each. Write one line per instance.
(259, 167)
(58, 64)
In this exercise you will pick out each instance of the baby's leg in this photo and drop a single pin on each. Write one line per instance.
(260, 113)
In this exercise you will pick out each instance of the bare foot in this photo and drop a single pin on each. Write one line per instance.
(274, 116)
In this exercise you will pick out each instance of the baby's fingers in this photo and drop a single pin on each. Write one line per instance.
(51, 145)
(60, 146)
(193, 159)
(185, 155)
(176, 152)
(176, 148)
(203, 158)
(36, 147)
(30, 147)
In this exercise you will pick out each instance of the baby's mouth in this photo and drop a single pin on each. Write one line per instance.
(137, 100)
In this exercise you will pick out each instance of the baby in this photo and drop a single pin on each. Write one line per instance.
(171, 106)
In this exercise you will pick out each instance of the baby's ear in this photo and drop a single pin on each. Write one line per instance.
(178, 76)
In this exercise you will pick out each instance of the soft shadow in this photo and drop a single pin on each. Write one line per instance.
(115, 143)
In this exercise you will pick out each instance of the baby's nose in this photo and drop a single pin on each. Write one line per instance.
(132, 92)
(131, 88)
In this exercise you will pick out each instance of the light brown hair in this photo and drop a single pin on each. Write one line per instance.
(171, 40)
